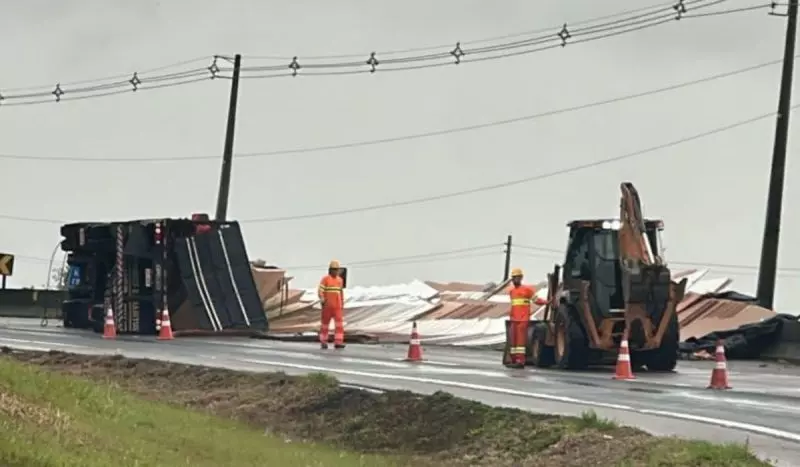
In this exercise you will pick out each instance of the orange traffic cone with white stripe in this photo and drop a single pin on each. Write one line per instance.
(624, 371)
(719, 375)
(109, 327)
(414, 346)
(165, 333)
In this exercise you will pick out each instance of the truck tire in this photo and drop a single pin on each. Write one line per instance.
(542, 355)
(665, 358)
(571, 351)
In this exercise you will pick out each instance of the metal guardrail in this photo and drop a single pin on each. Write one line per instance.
(31, 303)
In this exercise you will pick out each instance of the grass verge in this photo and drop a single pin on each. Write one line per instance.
(136, 411)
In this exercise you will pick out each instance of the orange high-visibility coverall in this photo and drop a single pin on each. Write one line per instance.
(521, 297)
(332, 296)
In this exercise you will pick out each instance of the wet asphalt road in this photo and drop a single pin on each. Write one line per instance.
(763, 408)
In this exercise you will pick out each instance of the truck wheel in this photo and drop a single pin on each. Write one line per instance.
(543, 356)
(571, 350)
(665, 358)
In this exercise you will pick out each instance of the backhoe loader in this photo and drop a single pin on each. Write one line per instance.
(614, 281)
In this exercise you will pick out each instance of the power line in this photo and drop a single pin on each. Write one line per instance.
(480, 189)
(555, 38)
(520, 181)
(544, 252)
(113, 85)
(480, 251)
(49, 86)
(422, 135)
(655, 6)
(437, 256)
(87, 89)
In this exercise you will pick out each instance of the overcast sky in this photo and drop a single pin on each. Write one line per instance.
(710, 192)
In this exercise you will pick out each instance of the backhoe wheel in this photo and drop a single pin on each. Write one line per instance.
(665, 358)
(571, 349)
(543, 356)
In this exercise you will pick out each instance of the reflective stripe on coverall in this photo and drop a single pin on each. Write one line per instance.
(520, 316)
(332, 297)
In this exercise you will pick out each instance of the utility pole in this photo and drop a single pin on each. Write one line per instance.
(227, 153)
(507, 268)
(767, 268)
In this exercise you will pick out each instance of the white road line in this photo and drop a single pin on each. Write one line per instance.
(237, 344)
(418, 379)
(772, 432)
(264, 351)
(28, 341)
(462, 371)
(33, 348)
(433, 362)
(781, 407)
(365, 361)
(775, 433)
(355, 386)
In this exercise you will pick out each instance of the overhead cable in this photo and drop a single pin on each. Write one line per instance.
(414, 136)
(554, 38)
(511, 183)
(475, 190)
(556, 253)
(631, 21)
(480, 251)
(659, 6)
(151, 79)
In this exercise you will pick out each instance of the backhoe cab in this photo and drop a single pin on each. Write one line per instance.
(613, 281)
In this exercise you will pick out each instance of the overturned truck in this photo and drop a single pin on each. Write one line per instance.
(196, 268)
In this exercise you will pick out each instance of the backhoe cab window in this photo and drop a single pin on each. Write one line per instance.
(577, 261)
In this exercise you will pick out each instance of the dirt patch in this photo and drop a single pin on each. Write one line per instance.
(435, 430)
(14, 407)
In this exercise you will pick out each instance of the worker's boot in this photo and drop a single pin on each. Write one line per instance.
(338, 346)
(516, 363)
(323, 346)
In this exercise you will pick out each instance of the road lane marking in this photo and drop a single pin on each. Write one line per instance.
(366, 361)
(781, 407)
(763, 430)
(462, 371)
(362, 388)
(36, 342)
(432, 362)
(418, 379)
(772, 432)
(264, 351)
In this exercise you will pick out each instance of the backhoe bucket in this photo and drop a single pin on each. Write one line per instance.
(651, 299)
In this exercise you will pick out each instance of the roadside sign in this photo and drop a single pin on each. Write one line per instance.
(6, 264)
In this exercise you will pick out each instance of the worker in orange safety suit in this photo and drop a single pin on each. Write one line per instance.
(521, 297)
(331, 296)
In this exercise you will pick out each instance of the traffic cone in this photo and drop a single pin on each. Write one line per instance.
(719, 375)
(624, 370)
(165, 333)
(414, 346)
(109, 327)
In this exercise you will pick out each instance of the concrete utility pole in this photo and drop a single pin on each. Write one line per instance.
(507, 269)
(767, 269)
(227, 154)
